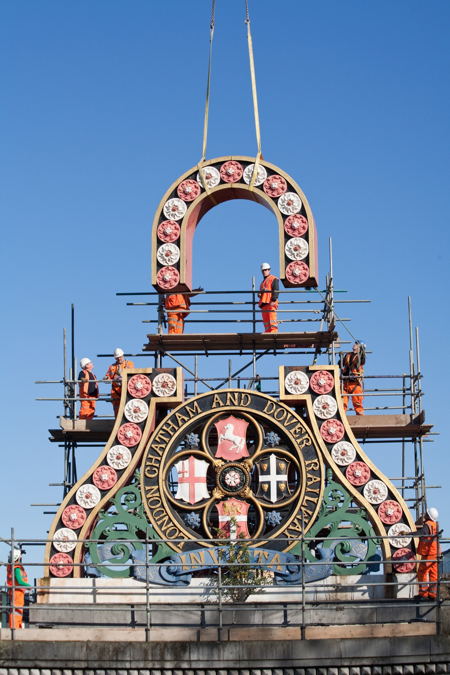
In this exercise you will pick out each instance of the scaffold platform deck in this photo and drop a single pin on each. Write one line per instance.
(363, 426)
(236, 342)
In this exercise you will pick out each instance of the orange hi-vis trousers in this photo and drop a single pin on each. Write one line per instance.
(16, 598)
(175, 322)
(87, 410)
(269, 317)
(427, 576)
(355, 388)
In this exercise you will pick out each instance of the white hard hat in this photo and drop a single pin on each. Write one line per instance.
(16, 553)
(84, 362)
(433, 513)
(118, 352)
(265, 266)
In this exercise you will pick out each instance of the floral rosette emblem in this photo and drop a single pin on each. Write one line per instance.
(296, 382)
(274, 186)
(261, 174)
(210, 176)
(169, 231)
(188, 190)
(174, 209)
(289, 203)
(231, 172)
(168, 254)
(164, 384)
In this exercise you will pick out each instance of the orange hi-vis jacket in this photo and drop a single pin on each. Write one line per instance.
(117, 369)
(267, 294)
(429, 545)
(177, 301)
(10, 570)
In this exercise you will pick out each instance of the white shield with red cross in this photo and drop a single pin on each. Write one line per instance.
(273, 478)
(192, 480)
(233, 518)
(232, 438)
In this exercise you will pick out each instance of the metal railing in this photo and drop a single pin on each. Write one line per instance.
(238, 588)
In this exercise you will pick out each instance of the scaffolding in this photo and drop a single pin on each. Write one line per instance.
(395, 403)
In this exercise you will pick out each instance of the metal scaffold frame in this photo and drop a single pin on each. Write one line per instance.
(404, 390)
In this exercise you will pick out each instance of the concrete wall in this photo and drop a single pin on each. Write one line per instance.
(389, 656)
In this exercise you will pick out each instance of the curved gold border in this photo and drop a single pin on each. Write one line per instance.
(210, 198)
(306, 399)
(127, 472)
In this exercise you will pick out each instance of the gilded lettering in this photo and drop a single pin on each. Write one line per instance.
(181, 419)
(150, 491)
(164, 521)
(213, 554)
(269, 407)
(197, 558)
(261, 556)
(152, 461)
(312, 465)
(170, 427)
(150, 471)
(310, 479)
(303, 441)
(232, 398)
(276, 560)
(297, 430)
(245, 400)
(280, 414)
(290, 419)
(217, 401)
(296, 527)
(172, 532)
(154, 502)
(194, 410)
(158, 448)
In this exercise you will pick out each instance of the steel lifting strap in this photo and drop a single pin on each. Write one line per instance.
(208, 82)
(254, 95)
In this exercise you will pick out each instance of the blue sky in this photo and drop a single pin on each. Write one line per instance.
(102, 108)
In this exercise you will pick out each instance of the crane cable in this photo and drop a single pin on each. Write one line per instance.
(254, 96)
(208, 81)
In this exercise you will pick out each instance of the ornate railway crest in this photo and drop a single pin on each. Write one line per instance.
(235, 482)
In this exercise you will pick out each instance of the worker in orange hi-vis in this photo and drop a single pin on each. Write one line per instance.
(177, 306)
(114, 373)
(268, 299)
(352, 371)
(17, 582)
(88, 389)
(428, 549)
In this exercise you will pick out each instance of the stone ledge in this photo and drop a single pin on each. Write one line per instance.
(228, 634)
